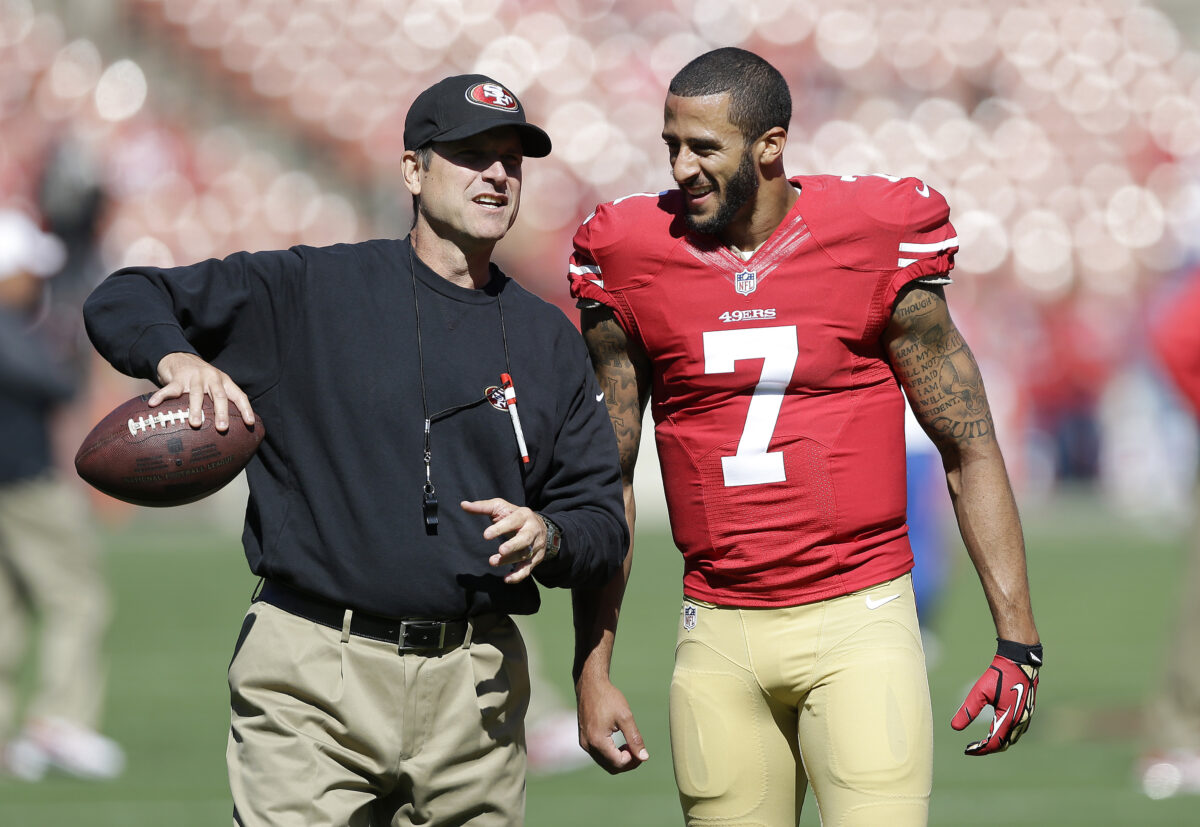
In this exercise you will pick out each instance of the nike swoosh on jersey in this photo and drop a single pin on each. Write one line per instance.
(873, 604)
(599, 397)
(923, 190)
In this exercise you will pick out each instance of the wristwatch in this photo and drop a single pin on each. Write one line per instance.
(553, 537)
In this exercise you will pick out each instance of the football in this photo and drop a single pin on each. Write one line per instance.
(152, 456)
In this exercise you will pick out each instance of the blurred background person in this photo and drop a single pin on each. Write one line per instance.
(1171, 764)
(50, 577)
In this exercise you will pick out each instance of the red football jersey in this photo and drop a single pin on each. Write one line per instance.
(779, 423)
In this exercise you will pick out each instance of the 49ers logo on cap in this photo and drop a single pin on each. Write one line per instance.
(493, 95)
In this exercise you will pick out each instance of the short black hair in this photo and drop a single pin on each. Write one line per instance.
(759, 98)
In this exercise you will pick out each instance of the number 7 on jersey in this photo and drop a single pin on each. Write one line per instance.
(777, 347)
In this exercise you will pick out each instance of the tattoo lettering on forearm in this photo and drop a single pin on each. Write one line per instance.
(608, 346)
(606, 343)
(610, 386)
(626, 426)
(957, 429)
(918, 304)
(939, 372)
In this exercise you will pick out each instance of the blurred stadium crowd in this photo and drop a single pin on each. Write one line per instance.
(1064, 133)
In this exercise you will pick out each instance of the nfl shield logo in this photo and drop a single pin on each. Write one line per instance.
(689, 618)
(745, 282)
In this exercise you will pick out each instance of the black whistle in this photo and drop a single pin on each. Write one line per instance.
(429, 507)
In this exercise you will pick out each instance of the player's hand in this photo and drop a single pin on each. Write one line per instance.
(180, 373)
(603, 711)
(525, 548)
(1010, 686)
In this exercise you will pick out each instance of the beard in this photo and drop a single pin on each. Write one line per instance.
(738, 190)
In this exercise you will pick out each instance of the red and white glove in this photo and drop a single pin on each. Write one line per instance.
(1010, 686)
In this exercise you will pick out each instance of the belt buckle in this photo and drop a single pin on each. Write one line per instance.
(422, 634)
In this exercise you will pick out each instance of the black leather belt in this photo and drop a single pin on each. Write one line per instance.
(410, 635)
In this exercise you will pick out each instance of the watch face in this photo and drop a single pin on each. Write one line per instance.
(553, 537)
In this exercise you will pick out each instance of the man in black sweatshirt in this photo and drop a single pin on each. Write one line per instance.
(400, 509)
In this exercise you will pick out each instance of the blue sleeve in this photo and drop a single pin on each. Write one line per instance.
(27, 369)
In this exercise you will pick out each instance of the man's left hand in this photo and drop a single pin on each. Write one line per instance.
(1011, 689)
(525, 547)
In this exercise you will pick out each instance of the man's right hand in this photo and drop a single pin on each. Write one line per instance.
(604, 711)
(180, 373)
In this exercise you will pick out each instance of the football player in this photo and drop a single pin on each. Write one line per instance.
(770, 324)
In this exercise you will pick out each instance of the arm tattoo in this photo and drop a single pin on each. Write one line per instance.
(623, 373)
(937, 369)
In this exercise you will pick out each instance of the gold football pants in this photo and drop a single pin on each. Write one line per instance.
(834, 694)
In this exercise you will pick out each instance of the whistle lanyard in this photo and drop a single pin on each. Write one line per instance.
(429, 502)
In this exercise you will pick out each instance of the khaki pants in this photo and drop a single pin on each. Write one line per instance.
(335, 729)
(766, 701)
(50, 571)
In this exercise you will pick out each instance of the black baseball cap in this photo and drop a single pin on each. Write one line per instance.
(465, 105)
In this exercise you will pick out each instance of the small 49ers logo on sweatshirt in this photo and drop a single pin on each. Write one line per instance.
(495, 396)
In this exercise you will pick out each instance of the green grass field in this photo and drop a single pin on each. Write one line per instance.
(1104, 590)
